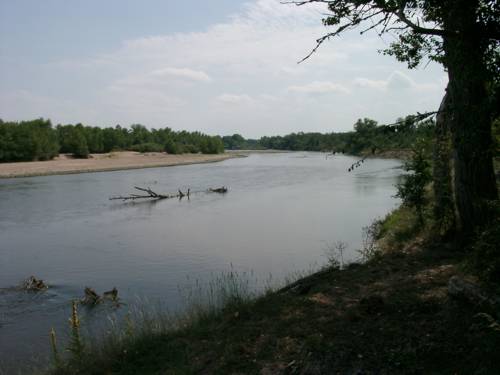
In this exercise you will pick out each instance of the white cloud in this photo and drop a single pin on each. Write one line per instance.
(26, 105)
(234, 99)
(240, 75)
(318, 87)
(398, 81)
(370, 83)
(184, 73)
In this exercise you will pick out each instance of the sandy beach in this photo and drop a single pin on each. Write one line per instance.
(65, 164)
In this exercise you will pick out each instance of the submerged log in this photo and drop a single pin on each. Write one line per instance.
(356, 164)
(92, 298)
(33, 284)
(220, 190)
(111, 294)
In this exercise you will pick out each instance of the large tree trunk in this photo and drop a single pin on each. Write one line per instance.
(470, 116)
(444, 207)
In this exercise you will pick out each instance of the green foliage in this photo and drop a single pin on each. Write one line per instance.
(420, 26)
(144, 329)
(37, 140)
(397, 228)
(73, 140)
(77, 142)
(237, 142)
(171, 147)
(412, 189)
(27, 140)
(147, 147)
(367, 137)
(370, 249)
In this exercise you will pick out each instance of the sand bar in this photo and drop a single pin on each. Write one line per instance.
(114, 161)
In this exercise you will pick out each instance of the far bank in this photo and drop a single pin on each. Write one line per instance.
(113, 161)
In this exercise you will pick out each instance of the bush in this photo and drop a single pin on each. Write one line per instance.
(78, 145)
(171, 147)
(147, 147)
(191, 149)
(27, 140)
(412, 189)
(485, 256)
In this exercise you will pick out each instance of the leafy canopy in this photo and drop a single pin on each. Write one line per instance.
(418, 25)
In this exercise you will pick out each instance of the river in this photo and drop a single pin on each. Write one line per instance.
(281, 213)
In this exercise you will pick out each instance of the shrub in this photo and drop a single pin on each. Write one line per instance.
(27, 140)
(147, 147)
(79, 146)
(412, 189)
(485, 256)
(171, 147)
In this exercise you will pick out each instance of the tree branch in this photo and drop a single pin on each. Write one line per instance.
(416, 28)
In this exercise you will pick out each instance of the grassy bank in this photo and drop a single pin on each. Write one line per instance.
(392, 314)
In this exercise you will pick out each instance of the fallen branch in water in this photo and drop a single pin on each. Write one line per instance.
(153, 195)
(356, 165)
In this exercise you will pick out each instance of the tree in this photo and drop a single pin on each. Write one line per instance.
(444, 208)
(464, 36)
(412, 189)
(27, 140)
(78, 143)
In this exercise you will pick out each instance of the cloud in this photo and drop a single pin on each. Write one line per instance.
(234, 99)
(23, 105)
(239, 75)
(400, 81)
(370, 83)
(184, 73)
(318, 87)
(397, 81)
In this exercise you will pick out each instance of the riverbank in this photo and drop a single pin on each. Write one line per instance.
(402, 154)
(393, 314)
(65, 164)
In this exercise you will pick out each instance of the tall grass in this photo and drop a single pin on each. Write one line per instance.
(227, 289)
(149, 321)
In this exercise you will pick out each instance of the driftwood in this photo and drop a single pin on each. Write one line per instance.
(111, 294)
(356, 165)
(220, 190)
(33, 284)
(92, 298)
(153, 195)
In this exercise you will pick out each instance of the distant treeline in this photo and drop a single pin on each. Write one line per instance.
(39, 140)
(367, 137)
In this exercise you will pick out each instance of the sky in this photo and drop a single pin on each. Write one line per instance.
(219, 66)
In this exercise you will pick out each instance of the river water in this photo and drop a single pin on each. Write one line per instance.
(281, 213)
